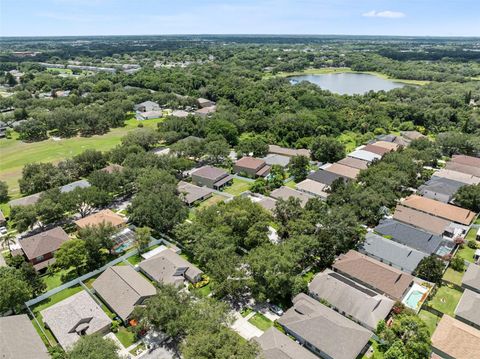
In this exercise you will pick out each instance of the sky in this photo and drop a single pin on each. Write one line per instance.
(162, 17)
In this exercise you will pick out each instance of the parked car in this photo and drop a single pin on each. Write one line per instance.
(276, 309)
(3, 231)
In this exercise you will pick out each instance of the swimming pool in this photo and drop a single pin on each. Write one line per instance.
(415, 296)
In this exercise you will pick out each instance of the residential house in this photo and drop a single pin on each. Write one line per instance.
(323, 331)
(206, 111)
(251, 166)
(439, 209)
(313, 188)
(74, 317)
(276, 345)
(20, 340)
(112, 168)
(460, 167)
(192, 194)
(466, 160)
(266, 202)
(415, 238)
(381, 151)
(122, 288)
(168, 267)
(455, 339)
(77, 184)
(364, 155)
(180, 113)
(343, 170)
(289, 152)
(274, 159)
(411, 135)
(203, 102)
(392, 253)
(286, 192)
(105, 216)
(326, 177)
(468, 308)
(422, 220)
(149, 115)
(354, 163)
(440, 189)
(374, 274)
(471, 278)
(458, 176)
(40, 248)
(356, 302)
(211, 177)
(147, 106)
(25, 201)
(390, 146)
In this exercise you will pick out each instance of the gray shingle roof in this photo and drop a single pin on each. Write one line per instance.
(43, 243)
(25, 201)
(191, 193)
(20, 340)
(274, 159)
(365, 305)
(391, 252)
(77, 184)
(412, 237)
(78, 312)
(471, 278)
(325, 177)
(121, 287)
(441, 185)
(276, 345)
(286, 192)
(468, 307)
(322, 327)
(210, 172)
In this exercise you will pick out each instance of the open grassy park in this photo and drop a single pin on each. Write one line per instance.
(15, 154)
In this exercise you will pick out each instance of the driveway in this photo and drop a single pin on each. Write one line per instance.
(158, 353)
(244, 328)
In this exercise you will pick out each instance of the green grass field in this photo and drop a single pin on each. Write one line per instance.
(446, 300)
(15, 154)
(260, 321)
(430, 319)
(126, 337)
(466, 253)
(238, 186)
(453, 276)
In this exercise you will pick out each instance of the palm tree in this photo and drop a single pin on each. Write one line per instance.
(7, 240)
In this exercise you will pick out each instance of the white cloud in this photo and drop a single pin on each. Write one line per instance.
(386, 13)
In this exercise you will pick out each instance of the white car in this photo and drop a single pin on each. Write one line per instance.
(276, 309)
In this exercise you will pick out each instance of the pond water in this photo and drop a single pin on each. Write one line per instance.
(348, 83)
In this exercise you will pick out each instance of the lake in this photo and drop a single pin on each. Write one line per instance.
(348, 83)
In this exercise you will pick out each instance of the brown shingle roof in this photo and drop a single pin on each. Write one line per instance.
(460, 167)
(250, 162)
(43, 243)
(290, 152)
(286, 192)
(439, 209)
(373, 273)
(105, 216)
(210, 172)
(391, 146)
(376, 149)
(113, 168)
(466, 160)
(421, 220)
(457, 176)
(354, 163)
(456, 339)
(343, 170)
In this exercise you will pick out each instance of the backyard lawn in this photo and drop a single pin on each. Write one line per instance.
(446, 300)
(54, 280)
(15, 153)
(377, 354)
(261, 321)
(126, 337)
(135, 259)
(466, 253)
(430, 319)
(216, 198)
(290, 184)
(453, 276)
(204, 291)
(245, 311)
(238, 186)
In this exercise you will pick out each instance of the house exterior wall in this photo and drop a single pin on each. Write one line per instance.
(202, 181)
(249, 171)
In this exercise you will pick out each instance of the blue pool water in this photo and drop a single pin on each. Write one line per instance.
(124, 246)
(414, 298)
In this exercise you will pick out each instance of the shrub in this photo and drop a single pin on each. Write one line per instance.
(114, 326)
(457, 264)
(472, 244)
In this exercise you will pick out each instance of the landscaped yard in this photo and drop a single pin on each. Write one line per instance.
(430, 319)
(15, 153)
(453, 276)
(204, 291)
(238, 186)
(261, 321)
(134, 260)
(245, 311)
(466, 253)
(216, 198)
(377, 354)
(471, 235)
(126, 337)
(446, 300)
(54, 280)
(290, 184)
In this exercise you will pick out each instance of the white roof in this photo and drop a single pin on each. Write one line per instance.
(153, 252)
(364, 155)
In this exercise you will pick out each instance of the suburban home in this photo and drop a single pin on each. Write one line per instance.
(415, 238)
(343, 170)
(468, 308)
(460, 167)
(455, 339)
(289, 152)
(361, 154)
(252, 167)
(179, 113)
(77, 184)
(25, 201)
(399, 140)
(146, 106)
(374, 274)
(112, 168)
(267, 203)
(74, 317)
(211, 177)
(439, 209)
(148, 115)
(466, 160)
(105, 216)
(391, 146)
(381, 151)
(390, 252)
(440, 189)
(192, 194)
(122, 288)
(313, 188)
(471, 278)
(323, 331)
(168, 267)
(411, 135)
(20, 340)
(40, 248)
(286, 192)
(274, 159)
(354, 163)
(326, 177)
(422, 220)
(457, 176)
(354, 301)
(276, 345)
(203, 102)
(205, 111)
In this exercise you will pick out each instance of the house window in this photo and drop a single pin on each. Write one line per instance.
(40, 258)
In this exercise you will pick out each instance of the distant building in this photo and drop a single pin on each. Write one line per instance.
(180, 113)
(25, 201)
(354, 163)
(326, 177)
(211, 177)
(343, 170)
(289, 152)
(421, 220)
(440, 189)
(77, 184)
(286, 192)
(148, 115)
(313, 188)
(105, 216)
(274, 159)
(206, 111)
(251, 166)
(192, 194)
(203, 102)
